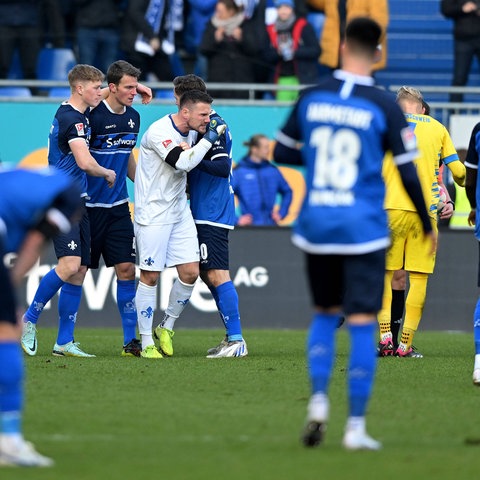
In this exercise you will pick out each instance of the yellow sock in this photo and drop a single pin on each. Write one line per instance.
(413, 308)
(385, 313)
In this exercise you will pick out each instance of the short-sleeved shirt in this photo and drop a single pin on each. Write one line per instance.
(69, 125)
(113, 137)
(345, 125)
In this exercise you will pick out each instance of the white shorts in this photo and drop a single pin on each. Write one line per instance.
(163, 246)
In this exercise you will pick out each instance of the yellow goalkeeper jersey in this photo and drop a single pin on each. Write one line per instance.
(434, 145)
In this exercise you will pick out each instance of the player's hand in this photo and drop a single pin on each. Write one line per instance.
(215, 128)
(110, 178)
(184, 146)
(447, 211)
(276, 216)
(243, 220)
(472, 217)
(145, 92)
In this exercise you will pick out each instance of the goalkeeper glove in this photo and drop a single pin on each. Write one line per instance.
(215, 128)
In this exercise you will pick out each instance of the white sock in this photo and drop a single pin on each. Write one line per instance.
(145, 301)
(356, 423)
(477, 361)
(318, 407)
(179, 296)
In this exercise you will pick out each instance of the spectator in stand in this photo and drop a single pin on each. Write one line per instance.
(466, 32)
(230, 45)
(98, 31)
(337, 13)
(143, 39)
(20, 28)
(292, 50)
(200, 12)
(257, 182)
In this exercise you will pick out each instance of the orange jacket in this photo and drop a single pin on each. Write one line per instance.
(330, 41)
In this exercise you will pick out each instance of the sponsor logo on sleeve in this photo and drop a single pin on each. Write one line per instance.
(80, 129)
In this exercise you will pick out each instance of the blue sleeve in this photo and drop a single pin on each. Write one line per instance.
(287, 155)
(219, 167)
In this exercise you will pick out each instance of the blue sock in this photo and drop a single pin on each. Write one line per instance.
(11, 387)
(476, 327)
(126, 307)
(321, 350)
(214, 293)
(361, 369)
(68, 304)
(48, 287)
(228, 306)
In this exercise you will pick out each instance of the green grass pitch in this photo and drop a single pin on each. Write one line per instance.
(189, 417)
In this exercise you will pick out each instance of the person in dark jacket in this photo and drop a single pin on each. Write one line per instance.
(231, 45)
(466, 31)
(292, 50)
(20, 27)
(98, 31)
(256, 183)
(143, 39)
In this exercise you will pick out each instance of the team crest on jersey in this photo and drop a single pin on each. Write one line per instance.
(80, 129)
(408, 138)
(166, 143)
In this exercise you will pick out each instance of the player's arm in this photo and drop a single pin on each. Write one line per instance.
(286, 148)
(131, 167)
(471, 166)
(88, 164)
(186, 160)
(217, 161)
(458, 171)
(287, 195)
(449, 207)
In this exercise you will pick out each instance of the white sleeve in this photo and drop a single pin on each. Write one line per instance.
(190, 158)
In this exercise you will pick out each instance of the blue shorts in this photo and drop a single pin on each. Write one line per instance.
(7, 297)
(76, 243)
(112, 235)
(213, 242)
(353, 282)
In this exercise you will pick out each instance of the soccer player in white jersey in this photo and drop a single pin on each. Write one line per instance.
(345, 125)
(164, 229)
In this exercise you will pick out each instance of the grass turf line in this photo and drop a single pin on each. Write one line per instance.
(189, 417)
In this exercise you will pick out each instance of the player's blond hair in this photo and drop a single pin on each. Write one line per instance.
(84, 73)
(409, 94)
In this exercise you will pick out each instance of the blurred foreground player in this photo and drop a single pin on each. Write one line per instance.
(34, 206)
(344, 126)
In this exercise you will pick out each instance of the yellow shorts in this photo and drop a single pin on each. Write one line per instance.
(409, 249)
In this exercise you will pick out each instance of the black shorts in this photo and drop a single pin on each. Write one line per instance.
(76, 243)
(7, 295)
(213, 242)
(354, 282)
(112, 235)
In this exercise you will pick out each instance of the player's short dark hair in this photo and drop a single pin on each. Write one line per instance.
(193, 97)
(84, 73)
(120, 68)
(184, 83)
(364, 34)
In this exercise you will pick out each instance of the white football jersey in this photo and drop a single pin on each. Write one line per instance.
(160, 189)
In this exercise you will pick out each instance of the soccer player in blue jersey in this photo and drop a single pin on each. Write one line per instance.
(115, 125)
(213, 209)
(34, 206)
(69, 151)
(343, 127)
(472, 189)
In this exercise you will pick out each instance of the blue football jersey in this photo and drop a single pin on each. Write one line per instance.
(211, 195)
(472, 161)
(68, 125)
(113, 137)
(25, 195)
(345, 125)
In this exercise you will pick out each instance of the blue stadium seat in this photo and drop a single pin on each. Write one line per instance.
(23, 92)
(15, 72)
(164, 94)
(55, 63)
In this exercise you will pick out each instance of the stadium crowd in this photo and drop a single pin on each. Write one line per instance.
(227, 41)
